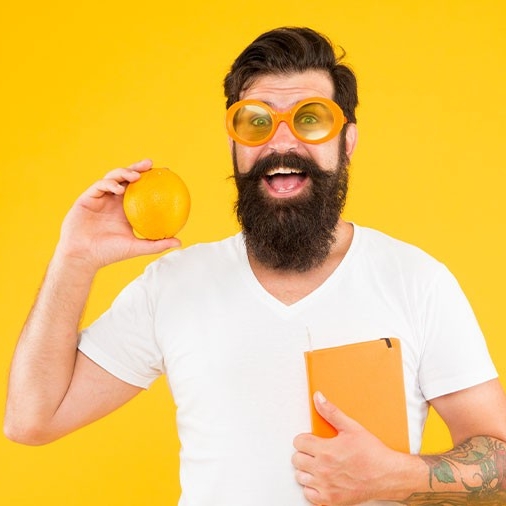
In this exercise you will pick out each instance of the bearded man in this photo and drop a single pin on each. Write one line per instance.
(227, 322)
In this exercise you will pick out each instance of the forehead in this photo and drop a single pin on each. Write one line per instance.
(283, 90)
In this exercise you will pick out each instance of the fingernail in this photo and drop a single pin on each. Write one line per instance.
(320, 397)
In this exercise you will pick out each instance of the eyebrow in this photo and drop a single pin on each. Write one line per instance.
(271, 104)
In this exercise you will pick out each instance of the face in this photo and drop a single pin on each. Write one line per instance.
(291, 193)
(281, 93)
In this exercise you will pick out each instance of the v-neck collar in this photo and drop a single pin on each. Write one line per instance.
(279, 306)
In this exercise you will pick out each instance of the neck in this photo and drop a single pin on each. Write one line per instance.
(290, 286)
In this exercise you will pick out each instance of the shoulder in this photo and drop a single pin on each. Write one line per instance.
(395, 259)
(223, 250)
(200, 259)
(385, 248)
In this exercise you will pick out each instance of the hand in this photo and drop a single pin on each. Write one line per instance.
(351, 468)
(96, 231)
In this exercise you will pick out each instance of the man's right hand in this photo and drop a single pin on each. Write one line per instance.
(53, 388)
(96, 230)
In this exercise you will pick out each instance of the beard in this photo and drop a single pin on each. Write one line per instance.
(291, 234)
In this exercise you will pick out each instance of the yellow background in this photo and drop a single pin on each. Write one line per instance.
(87, 86)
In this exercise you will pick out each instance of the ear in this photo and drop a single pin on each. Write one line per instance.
(351, 138)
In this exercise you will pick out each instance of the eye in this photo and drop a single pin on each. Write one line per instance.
(307, 119)
(261, 121)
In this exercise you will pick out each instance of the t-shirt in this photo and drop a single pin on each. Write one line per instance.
(234, 354)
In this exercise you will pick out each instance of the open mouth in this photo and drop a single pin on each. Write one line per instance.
(285, 180)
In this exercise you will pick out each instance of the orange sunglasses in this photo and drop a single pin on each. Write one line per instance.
(312, 120)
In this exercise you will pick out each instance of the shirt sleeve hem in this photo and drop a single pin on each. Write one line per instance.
(113, 367)
(438, 389)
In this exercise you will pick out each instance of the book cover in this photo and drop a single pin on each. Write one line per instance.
(365, 380)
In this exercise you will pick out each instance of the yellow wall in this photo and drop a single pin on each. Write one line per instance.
(87, 86)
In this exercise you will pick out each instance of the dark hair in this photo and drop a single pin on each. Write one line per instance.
(292, 49)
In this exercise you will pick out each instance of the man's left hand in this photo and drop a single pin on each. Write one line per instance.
(350, 468)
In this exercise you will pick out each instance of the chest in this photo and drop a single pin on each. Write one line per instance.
(291, 287)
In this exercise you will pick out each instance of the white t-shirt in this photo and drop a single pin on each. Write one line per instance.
(234, 355)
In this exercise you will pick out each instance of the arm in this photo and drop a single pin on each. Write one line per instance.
(476, 466)
(53, 388)
(355, 466)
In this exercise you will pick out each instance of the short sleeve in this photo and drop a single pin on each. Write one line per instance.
(122, 340)
(455, 354)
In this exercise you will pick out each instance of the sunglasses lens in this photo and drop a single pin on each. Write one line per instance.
(252, 123)
(314, 121)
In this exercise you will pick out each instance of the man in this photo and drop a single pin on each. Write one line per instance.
(227, 322)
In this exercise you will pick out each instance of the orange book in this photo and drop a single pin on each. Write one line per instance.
(365, 380)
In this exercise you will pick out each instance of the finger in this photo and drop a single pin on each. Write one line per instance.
(313, 496)
(337, 418)
(104, 186)
(130, 173)
(141, 166)
(303, 462)
(148, 247)
(306, 443)
(305, 479)
(123, 175)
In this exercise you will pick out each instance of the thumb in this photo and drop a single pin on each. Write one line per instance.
(337, 418)
(149, 247)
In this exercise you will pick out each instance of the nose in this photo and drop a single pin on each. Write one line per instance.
(283, 139)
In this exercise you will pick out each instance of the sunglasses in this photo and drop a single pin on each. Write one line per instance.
(313, 120)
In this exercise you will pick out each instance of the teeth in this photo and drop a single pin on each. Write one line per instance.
(283, 170)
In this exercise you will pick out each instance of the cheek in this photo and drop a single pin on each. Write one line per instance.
(326, 156)
(245, 156)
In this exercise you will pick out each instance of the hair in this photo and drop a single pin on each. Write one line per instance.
(288, 50)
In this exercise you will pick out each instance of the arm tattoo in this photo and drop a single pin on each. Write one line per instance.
(478, 464)
(473, 473)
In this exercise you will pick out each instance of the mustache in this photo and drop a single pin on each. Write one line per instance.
(287, 160)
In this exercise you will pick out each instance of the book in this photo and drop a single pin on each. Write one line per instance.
(366, 381)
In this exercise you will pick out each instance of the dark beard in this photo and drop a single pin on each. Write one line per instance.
(292, 234)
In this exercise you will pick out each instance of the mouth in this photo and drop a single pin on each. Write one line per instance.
(285, 181)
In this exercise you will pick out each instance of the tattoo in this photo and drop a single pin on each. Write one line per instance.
(473, 473)
(456, 499)
(480, 459)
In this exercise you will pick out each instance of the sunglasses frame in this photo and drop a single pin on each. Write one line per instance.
(288, 117)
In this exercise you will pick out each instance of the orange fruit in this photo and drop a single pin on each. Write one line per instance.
(158, 204)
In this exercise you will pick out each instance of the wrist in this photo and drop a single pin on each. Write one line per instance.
(78, 267)
(408, 475)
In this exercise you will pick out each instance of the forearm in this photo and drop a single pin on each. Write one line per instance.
(355, 466)
(474, 472)
(44, 359)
